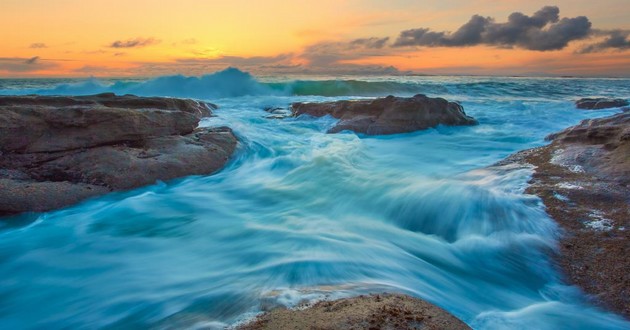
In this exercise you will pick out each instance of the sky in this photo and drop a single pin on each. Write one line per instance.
(117, 38)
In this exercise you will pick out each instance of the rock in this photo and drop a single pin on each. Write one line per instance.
(47, 123)
(599, 146)
(600, 103)
(390, 115)
(378, 311)
(583, 177)
(278, 113)
(65, 149)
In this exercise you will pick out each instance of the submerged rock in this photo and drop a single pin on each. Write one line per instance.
(389, 115)
(379, 311)
(583, 177)
(278, 113)
(56, 151)
(600, 103)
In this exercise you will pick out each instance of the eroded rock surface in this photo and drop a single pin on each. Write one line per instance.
(600, 103)
(583, 177)
(56, 151)
(379, 311)
(389, 115)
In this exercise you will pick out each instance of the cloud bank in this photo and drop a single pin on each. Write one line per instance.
(24, 65)
(543, 31)
(615, 40)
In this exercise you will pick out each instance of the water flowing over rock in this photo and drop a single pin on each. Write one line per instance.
(389, 115)
(56, 151)
(600, 103)
(583, 177)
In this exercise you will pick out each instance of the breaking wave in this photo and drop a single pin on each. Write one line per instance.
(233, 82)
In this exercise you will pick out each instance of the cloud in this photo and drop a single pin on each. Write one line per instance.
(38, 45)
(328, 53)
(376, 43)
(134, 43)
(615, 40)
(543, 31)
(24, 65)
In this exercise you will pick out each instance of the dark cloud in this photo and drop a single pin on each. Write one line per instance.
(25, 65)
(38, 45)
(615, 40)
(542, 31)
(134, 43)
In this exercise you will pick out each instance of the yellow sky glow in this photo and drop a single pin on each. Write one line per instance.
(74, 38)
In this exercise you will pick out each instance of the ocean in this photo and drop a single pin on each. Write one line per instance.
(299, 214)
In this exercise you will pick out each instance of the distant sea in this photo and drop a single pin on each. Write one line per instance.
(302, 215)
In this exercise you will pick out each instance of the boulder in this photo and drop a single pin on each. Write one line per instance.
(600, 146)
(47, 123)
(56, 151)
(600, 103)
(376, 311)
(389, 115)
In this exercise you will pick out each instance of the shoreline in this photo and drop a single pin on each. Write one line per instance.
(581, 177)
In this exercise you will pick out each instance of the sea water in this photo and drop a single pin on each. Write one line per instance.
(300, 215)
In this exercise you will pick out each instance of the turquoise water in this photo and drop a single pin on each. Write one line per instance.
(299, 214)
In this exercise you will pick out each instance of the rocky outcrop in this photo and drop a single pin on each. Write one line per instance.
(380, 311)
(600, 103)
(56, 151)
(389, 115)
(583, 177)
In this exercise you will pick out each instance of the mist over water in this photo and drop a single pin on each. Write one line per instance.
(300, 214)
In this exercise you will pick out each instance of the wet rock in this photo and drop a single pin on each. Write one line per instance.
(378, 311)
(583, 177)
(600, 103)
(389, 115)
(278, 113)
(600, 146)
(56, 151)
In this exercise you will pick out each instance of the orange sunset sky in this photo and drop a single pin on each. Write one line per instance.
(72, 38)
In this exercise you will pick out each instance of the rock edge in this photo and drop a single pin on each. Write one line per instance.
(376, 311)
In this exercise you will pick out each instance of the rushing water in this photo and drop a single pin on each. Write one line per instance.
(300, 214)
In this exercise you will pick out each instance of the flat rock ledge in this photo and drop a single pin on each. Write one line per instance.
(600, 103)
(583, 178)
(377, 311)
(56, 151)
(389, 115)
